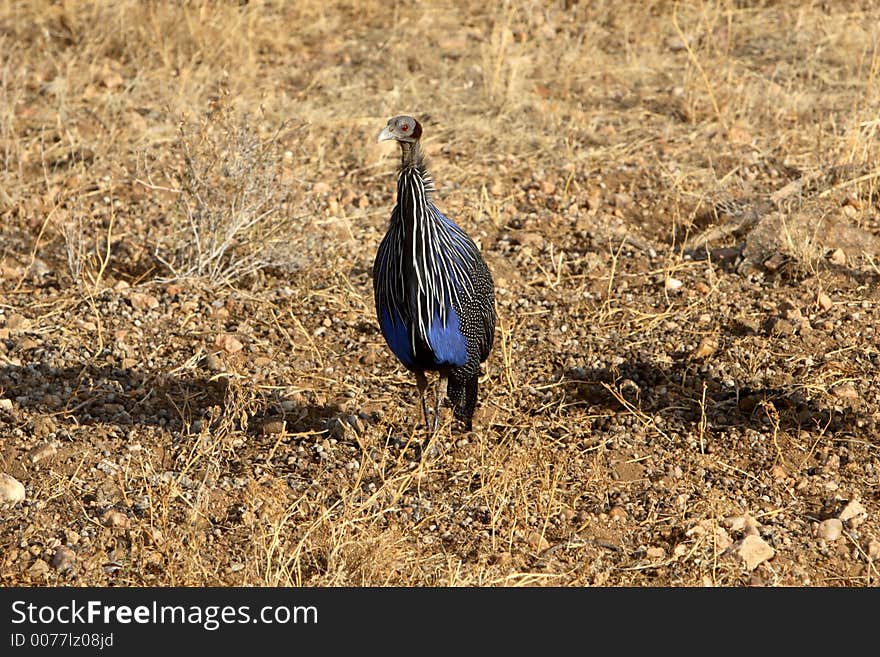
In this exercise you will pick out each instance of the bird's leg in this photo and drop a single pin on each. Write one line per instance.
(422, 384)
(442, 384)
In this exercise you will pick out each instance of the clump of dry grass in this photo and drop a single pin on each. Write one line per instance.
(231, 207)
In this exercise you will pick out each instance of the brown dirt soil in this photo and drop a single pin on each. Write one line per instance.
(681, 211)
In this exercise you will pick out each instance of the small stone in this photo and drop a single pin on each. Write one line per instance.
(27, 343)
(854, 513)
(537, 541)
(745, 524)
(702, 287)
(845, 391)
(849, 211)
(873, 549)
(16, 322)
(527, 238)
(41, 451)
(143, 301)
(6, 405)
(64, 559)
(722, 540)
(672, 284)
(739, 135)
(38, 568)
(500, 559)
(778, 472)
(11, 490)
(754, 550)
(675, 43)
(779, 326)
(272, 426)
(774, 262)
(790, 311)
(213, 362)
(706, 348)
(43, 425)
(838, 257)
(830, 529)
(115, 520)
(824, 301)
(228, 343)
(617, 513)
(655, 553)
(622, 200)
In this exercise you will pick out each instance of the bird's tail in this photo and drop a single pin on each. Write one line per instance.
(463, 395)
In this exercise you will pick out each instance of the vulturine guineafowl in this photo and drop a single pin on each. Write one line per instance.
(435, 298)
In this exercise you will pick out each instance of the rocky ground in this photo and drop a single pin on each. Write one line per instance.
(681, 213)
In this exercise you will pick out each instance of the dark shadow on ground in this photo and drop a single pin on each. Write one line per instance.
(106, 394)
(695, 398)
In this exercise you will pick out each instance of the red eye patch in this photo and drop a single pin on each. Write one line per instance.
(404, 127)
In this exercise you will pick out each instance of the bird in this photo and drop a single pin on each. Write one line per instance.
(433, 292)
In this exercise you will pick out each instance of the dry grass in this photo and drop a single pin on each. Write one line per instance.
(591, 148)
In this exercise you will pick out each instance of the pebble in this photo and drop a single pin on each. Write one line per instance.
(790, 311)
(272, 426)
(655, 553)
(745, 524)
(41, 451)
(26, 344)
(824, 301)
(854, 513)
(6, 405)
(143, 301)
(500, 559)
(672, 284)
(778, 472)
(722, 539)
(537, 541)
(845, 391)
(228, 343)
(830, 530)
(214, 363)
(16, 322)
(838, 257)
(754, 550)
(11, 490)
(774, 262)
(617, 513)
(706, 348)
(38, 568)
(43, 425)
(115, 520)
(64, 559)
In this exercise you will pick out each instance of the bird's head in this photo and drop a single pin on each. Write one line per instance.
(403, 129)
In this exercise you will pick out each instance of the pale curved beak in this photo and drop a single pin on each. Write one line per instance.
(386, 134)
